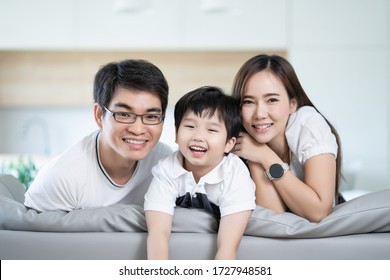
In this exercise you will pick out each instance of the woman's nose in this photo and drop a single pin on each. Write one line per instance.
(261, 111)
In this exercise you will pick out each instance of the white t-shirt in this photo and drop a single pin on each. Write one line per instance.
(308, 135)
(226, 189)
(77, 180)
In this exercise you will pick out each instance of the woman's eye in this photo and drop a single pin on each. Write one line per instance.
(247, 101)
(271, 100)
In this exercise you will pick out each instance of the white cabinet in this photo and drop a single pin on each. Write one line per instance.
(39, 24)
(143, 24)
(235, 24)
(178, 24)
(129, 24)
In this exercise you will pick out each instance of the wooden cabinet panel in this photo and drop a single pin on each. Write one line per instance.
(65, 78)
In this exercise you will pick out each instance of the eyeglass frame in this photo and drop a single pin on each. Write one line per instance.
(114, 114)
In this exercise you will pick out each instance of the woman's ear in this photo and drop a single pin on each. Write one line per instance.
(230, 144)
(293, 105)
(98, 115)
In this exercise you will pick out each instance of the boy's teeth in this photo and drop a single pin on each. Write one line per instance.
(198, 149)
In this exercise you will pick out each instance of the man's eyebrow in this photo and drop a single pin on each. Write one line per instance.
(129, 108)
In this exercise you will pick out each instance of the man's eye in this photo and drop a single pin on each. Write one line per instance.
(152, 117)
(124, 114)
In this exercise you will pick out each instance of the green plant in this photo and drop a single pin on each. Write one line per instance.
(24, 169)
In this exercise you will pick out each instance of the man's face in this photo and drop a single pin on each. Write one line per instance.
(129, 142)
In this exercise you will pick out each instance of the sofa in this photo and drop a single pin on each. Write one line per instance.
(358, 229)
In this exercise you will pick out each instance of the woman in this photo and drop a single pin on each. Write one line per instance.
(293, 152)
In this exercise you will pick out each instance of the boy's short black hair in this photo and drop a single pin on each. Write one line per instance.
(210, 100)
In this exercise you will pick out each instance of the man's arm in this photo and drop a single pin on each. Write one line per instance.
(54, 188)
(159, 229)
(231, 230)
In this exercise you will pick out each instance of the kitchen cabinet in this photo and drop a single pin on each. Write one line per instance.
(186, 25)
(39, 24)
(143, 25)
(131, 24)
(233, 24)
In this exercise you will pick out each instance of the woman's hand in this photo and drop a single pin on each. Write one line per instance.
(248, 148)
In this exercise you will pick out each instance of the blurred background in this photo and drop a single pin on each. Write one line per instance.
(51, 49)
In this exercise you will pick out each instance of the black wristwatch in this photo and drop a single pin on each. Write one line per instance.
(276, 171)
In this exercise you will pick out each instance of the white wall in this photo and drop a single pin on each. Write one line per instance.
(341, 52)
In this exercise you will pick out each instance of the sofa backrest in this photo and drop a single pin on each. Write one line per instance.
(11, 187)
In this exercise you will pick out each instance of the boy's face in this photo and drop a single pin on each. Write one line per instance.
(202, 141)
(121, 142)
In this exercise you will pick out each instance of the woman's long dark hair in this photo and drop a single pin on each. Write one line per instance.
(281, 68)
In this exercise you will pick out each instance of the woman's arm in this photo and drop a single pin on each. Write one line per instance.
(159, 229)
(266, 193)
(311, 198)
(231, 230)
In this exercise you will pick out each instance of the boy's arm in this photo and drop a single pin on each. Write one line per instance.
(159, 229)
(231, 229)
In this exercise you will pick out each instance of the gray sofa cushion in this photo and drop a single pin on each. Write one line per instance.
(364, 214)
(367, 213)
(118, 217)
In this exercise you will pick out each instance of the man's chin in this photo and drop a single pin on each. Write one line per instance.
(137, 154)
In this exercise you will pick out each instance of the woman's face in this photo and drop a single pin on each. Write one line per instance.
(266, 108)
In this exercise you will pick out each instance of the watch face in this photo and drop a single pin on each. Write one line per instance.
(276, 171)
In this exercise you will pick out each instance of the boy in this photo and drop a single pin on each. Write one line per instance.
(202, 174)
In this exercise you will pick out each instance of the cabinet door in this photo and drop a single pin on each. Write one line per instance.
(38, 24)
(129, 24)
(235, 24)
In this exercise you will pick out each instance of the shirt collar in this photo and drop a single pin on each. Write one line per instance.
(215, 176)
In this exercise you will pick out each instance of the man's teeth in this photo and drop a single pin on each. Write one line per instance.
(135, 142)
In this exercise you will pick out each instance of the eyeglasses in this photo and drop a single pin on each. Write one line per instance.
(125, 117)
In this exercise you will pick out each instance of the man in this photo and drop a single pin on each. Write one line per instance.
(113, 164)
